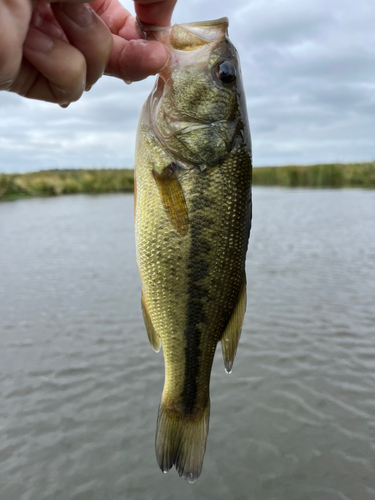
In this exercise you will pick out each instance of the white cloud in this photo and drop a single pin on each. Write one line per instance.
(309, 76)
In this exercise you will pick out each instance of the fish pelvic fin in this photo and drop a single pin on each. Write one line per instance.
(153, 337)
(181, 441)
(231, 335)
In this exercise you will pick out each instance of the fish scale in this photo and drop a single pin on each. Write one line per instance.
(192, 220)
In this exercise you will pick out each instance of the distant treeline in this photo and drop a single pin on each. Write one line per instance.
(333, 175)
(57, 182)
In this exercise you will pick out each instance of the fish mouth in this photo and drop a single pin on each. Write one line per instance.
(149, 31)
(182, 39)
(215, 22)
(185, 36)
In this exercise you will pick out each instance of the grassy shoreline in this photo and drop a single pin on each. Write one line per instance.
(59, 182)
(91, 181)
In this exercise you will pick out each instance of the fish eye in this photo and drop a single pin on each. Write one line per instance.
(225, 71)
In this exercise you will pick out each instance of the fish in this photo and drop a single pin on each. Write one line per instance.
(193, 206)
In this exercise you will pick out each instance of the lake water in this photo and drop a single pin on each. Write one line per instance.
(80, 385)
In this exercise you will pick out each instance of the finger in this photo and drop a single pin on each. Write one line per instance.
(88, 33)
(117, 18)
(132, 58)
(68, 1)
(12, 32)
(44, 20)
(135, 60)
(52, 71)
(122, 23)
(155, 12)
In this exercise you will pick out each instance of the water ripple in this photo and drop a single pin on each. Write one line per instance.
(80, 384)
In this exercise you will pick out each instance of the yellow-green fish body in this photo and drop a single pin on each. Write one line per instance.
(193, 217)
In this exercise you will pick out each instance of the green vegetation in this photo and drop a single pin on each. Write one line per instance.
(334, 175)
(57, 182)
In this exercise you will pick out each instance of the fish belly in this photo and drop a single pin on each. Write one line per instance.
(191, 282)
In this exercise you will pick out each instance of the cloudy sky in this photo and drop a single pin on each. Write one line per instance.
(309, 74)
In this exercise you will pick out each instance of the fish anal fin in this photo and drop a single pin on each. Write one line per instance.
(231, 335)
(173, 199)
(153, 337)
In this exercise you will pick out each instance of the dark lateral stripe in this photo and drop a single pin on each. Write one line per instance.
(197, 271)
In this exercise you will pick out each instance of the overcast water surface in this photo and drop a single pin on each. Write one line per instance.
(80, 385)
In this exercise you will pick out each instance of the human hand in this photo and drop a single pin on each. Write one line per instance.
(55, 51)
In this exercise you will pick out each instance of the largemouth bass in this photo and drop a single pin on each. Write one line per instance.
(192, 224)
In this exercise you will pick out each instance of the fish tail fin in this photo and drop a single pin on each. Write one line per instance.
(181, 441)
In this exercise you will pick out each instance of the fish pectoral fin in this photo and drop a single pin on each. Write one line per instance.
(173, 199)
(153, 337)
(231, 335)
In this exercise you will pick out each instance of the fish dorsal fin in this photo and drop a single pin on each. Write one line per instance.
(173, 199)
(231, 335)
(153, 337)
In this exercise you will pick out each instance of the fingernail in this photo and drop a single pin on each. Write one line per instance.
(53, 31)
(80, 13)
(49, 28)
(38, 41)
